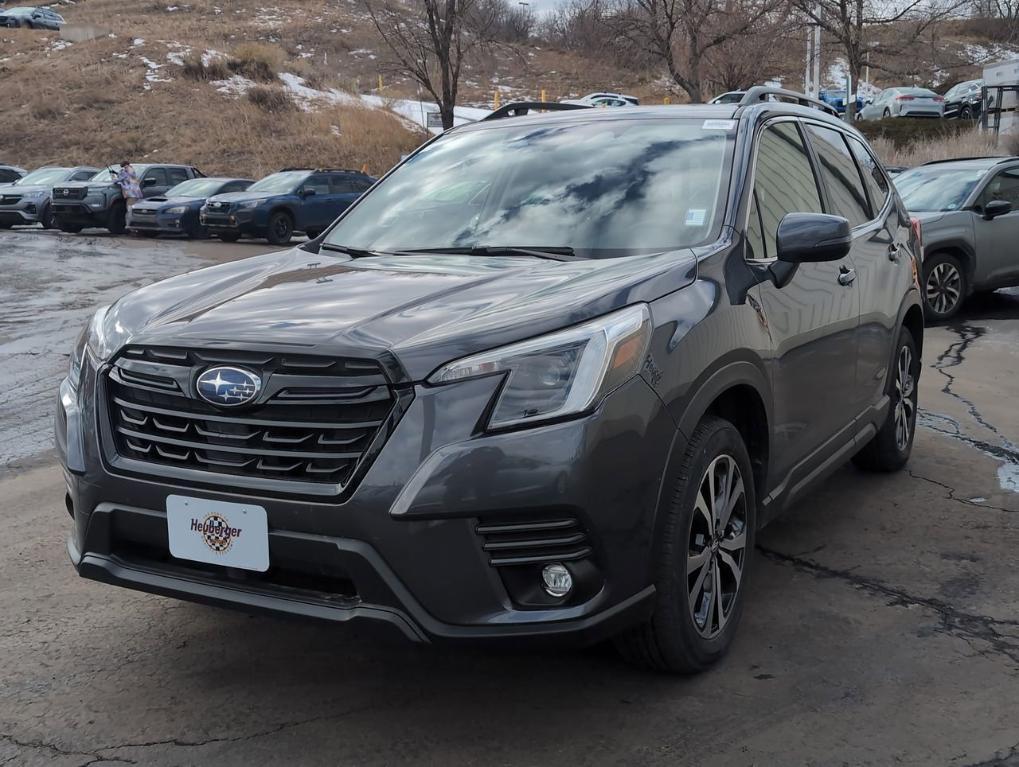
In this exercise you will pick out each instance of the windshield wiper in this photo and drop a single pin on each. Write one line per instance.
(555, 253)
(352, 252)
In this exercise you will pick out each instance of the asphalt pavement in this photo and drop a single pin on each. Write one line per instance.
(882, 625)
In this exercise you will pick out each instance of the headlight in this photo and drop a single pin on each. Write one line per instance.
(36, 196)
(249, 204)
(179, 210)
(560, 374)
(97, 189)
(91, 338)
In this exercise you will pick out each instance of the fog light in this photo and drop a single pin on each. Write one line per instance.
(557, 579)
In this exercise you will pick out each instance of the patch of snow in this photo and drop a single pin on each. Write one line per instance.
(59, 45)
(210, 56)
(236, 85)
(152, 75)
(172, 8)
(307, 97)
(417, 111)
(138, 42)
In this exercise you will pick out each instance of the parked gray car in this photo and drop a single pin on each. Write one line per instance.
(99, 202)
(904, 102)
(28, 200)
(969, 215)
(11, 173)
(31, 17)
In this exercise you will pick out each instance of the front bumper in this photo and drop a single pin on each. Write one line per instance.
(80, 212)
(24, 212)
(404, 550)
(164, 223)
(241, 222)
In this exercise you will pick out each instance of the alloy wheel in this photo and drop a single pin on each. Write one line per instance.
(944, 288)
(905, 405)
(717, 547)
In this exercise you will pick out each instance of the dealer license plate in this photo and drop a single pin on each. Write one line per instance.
(217, 532)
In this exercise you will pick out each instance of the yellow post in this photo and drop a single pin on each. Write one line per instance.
(497, 101)
(380, 82)
(667, 100)
(544, 96)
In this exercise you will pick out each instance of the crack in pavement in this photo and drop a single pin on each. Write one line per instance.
(952, 491)
(38, 745)
(178, 742)
(953, 622)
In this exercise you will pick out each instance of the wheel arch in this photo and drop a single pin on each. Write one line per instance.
(959, 249)
(740, 393)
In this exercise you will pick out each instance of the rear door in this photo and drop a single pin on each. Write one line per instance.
(812, 319)
(347, 188)
(997, 240)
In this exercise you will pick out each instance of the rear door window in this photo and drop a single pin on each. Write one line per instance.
(840, 174)
(784, 179)
(155, 177)
(317, 181)
(873, 176)
(176, 175)
(1004, 186)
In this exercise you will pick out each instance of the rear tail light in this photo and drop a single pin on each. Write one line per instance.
(904, 98)
(939, 99)
(917, 227)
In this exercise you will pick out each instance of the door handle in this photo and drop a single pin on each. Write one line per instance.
(846, 275)
(894, 250)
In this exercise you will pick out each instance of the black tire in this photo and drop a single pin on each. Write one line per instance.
(890, 448)
(281, 228)
(229, 236)
(116, 222)
(944, 286)
(966, 113)
(69, 228)
(887, 113)
(46, 217)
(674, 640)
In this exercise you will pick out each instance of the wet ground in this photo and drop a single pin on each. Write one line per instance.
(882, 625)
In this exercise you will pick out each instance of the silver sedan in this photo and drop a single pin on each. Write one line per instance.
(904, 102)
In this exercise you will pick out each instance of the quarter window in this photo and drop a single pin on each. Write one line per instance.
(873, 176)
(841, 177)
(784, 181)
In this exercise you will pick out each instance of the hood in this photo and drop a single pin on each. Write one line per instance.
(425, 309)
(159, 203)
(19, 189)
(245, 196)
(81, 184)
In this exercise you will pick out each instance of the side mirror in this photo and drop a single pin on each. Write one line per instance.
(811, 237)
(307, 192)
(996, 208)
(149, 182)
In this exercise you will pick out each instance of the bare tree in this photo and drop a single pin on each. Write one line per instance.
(682, 33)
(430, 39)
(759, 55)
(856, 27)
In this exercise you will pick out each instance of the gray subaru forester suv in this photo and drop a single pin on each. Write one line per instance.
(546, 380)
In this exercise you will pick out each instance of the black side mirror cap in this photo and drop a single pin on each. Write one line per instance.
(307, 192)
(996, 208)
(812, 237)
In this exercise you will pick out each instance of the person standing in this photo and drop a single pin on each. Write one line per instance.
(129, 185)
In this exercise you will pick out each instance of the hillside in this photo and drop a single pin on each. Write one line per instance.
(248, 86)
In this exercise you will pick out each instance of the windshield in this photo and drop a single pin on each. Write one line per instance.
(195, 187)
(286, 181)
(104, 175)
(933, 189)
(43, 177)
(603, 188)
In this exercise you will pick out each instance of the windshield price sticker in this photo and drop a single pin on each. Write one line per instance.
(718, 125)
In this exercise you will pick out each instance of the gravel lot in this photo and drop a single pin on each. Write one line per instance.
(882, 625)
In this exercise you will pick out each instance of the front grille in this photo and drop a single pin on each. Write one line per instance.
(314, 420)
(143, 212)
(555, 539)
(69, 193)
(218, 207)
(10, 199)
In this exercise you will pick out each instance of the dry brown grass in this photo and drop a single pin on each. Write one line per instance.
(971, 143)
(271, 98)
(257, 61)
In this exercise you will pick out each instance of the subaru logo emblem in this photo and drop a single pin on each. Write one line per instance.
(228, 387)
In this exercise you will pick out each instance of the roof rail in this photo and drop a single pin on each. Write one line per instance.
(762, 92)
(520, 108)
(324, 170)
(999, 157)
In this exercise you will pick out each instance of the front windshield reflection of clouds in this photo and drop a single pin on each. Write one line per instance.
(926, 190)
(282, 182)
(604, 188)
